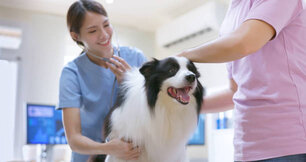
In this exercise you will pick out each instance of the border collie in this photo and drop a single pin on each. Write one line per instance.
(157, 109)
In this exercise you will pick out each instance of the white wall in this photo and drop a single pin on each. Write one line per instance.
(128, 36)
(8, 82)
(44, 49)
(41, 54)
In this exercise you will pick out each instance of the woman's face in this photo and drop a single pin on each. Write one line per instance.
(96, 34)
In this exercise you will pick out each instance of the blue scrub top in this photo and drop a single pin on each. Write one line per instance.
(87, 86)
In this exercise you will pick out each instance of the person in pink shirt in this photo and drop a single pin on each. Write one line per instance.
(264, 43)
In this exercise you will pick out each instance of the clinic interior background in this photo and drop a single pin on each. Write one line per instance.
(35, 45)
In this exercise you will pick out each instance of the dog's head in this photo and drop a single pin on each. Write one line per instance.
(177, 77)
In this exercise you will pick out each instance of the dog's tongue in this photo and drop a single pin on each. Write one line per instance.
(183, 95)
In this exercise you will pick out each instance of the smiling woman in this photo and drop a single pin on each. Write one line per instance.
(88, 85)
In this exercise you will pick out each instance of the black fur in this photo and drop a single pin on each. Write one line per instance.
(200, 91)
(107, 127)
(97, 158)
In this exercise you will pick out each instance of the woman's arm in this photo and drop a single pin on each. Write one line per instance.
(248, 38)
(221, 101)
(84, 145)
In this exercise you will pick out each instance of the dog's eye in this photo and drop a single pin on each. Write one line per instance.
(172, 70)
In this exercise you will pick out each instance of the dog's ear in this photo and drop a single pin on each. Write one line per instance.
(148, 67)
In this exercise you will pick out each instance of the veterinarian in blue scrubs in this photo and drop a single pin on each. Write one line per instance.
(88, 84)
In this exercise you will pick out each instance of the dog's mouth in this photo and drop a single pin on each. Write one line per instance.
(180, 94)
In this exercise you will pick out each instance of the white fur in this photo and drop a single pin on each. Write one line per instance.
(162, 136)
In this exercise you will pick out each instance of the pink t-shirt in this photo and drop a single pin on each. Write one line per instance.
(270, 103)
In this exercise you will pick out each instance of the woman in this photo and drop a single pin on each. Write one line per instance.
(88, 84)
(263, 42)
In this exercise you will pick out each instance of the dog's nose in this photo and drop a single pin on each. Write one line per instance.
(190, 78)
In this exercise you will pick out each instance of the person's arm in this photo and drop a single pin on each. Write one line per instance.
(248, 38)
(84, 145)
(221, 101)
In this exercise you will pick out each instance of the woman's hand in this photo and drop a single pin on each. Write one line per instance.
(123, 150)
(118, 66)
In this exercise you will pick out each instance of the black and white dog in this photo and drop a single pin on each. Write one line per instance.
(157, 110)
